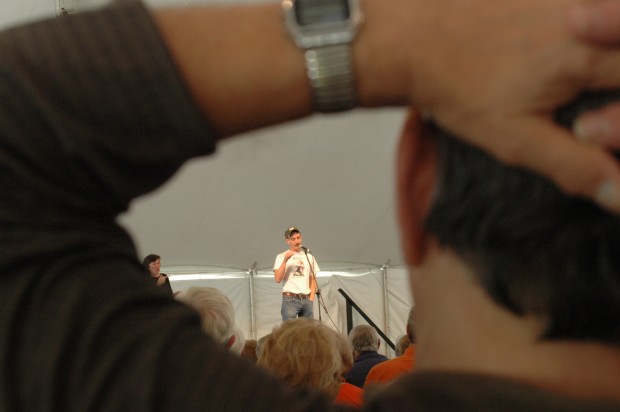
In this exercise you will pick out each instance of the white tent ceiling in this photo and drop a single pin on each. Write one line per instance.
(332, 176)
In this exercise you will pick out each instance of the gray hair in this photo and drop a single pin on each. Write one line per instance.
(216, 312)
(239, 343)
(364, 338)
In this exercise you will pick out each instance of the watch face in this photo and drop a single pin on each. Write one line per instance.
(311, 12)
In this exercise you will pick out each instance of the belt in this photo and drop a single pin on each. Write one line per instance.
(295, 295)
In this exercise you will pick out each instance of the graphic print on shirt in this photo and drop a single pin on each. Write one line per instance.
(299, 268)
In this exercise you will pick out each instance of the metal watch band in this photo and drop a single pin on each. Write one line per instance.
(330, 71)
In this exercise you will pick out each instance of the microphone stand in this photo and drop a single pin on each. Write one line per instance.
(318, 293)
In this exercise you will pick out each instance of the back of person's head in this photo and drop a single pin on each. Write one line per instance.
(534, 249)
(401, 345)
(216, 312)
(364, 338)
(304, 353)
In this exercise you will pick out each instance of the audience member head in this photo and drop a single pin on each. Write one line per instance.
(151, 264)
(249, 350)
(304, 353)
(536, 251)
(401, 345)
(363, 338)
(216, 312)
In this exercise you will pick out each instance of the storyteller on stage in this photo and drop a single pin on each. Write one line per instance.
(296, 268)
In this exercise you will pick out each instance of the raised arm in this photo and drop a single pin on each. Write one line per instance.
(479, 68)
(93, 113)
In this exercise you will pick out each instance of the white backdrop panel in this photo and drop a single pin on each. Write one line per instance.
(365, 287)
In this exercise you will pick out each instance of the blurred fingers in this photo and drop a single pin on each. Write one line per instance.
(601, 127)
(576, 168)
(596, 21)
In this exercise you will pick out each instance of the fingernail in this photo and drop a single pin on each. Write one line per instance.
(583, 18)
(608, 196)
(592, 129)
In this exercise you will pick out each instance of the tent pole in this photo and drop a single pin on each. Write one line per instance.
(252, 273)
(386, 305)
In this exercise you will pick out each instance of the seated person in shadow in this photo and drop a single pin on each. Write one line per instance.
(365, 342)
(348, 394)
(393, 368)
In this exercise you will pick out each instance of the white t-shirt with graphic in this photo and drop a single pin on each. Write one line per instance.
(297, 273)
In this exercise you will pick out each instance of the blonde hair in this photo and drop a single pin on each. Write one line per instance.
(345, 350)
(401, 345)
(304, 353)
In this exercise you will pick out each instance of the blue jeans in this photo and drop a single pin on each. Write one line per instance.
(293, 307)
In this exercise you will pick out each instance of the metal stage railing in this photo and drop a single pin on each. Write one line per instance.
(352, 305)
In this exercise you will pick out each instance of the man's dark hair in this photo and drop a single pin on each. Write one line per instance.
(535, 250)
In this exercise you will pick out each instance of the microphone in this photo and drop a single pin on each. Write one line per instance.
(305, 249)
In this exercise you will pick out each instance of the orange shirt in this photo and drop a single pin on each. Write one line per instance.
(392, 368)
(350, 395)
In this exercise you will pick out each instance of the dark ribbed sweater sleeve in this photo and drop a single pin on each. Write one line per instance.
(93, 114)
